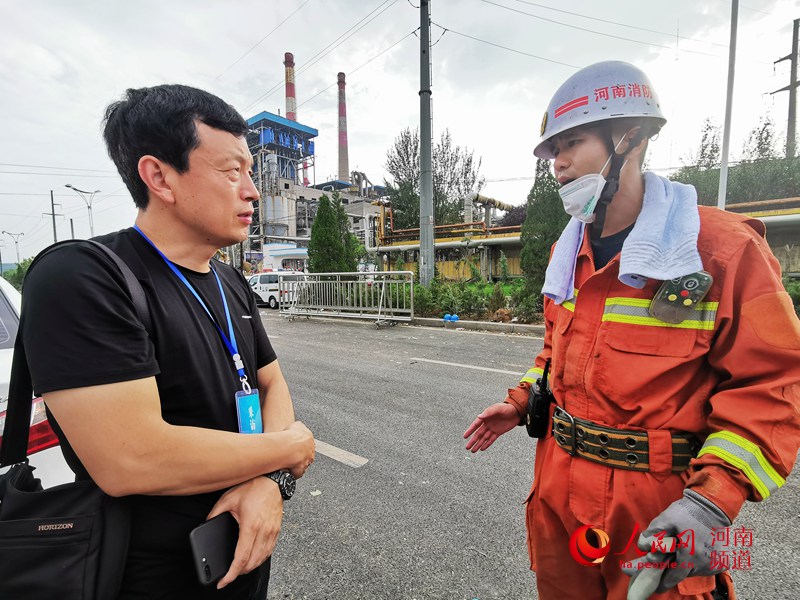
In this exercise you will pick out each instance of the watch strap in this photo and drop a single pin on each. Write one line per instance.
(279, 477)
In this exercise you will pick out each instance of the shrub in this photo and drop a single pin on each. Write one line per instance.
(424, 302)
(471, 300)
(526, 306)
(793, 289)
(504, 273)
(474, 270)
(498, 299)
(449, 300)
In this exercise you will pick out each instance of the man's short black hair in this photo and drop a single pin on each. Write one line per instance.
(161, 121)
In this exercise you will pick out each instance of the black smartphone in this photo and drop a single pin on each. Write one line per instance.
(213, 545)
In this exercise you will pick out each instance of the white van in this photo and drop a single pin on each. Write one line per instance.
(265, 287)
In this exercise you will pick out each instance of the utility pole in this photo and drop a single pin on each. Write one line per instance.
(726, 133)
(53, 214)
(15, 237)
(1, 259)
(426, 239)
(72, 228)
(792, 89)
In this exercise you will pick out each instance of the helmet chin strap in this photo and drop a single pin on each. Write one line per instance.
(612, 183)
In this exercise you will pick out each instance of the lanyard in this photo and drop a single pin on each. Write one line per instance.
(230, 342)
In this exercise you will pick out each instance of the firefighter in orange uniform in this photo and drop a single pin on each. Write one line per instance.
(672, 354)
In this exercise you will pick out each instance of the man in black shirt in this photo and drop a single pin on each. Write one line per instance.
(160, 415)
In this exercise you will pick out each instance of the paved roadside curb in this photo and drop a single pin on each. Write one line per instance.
(535, 330)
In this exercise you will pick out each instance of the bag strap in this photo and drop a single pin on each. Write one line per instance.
(14, 448)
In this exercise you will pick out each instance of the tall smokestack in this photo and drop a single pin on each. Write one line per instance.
(291, 98)
(344, 164)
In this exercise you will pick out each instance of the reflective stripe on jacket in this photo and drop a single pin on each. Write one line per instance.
(729, 374)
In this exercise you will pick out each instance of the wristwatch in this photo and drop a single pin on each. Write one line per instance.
(286, 482)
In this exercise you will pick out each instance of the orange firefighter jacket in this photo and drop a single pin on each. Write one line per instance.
(729, 374)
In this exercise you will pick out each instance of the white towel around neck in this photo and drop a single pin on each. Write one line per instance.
(662, 244)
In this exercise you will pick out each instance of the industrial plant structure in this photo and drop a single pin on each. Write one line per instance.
(285, 173)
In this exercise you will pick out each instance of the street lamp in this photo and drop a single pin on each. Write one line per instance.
(83, 194)
(15, 237)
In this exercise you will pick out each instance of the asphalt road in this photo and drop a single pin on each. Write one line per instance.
(423, 518)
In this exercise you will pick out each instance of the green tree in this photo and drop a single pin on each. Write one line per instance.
(353, 250)
(405, 205)
(761, 175)
(326, 252)
(16, 276)
(760, 144)
(709, 151)
(544, 221)
(455, 174)
(515, 216)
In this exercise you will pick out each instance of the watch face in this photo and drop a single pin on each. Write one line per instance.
(288, 485)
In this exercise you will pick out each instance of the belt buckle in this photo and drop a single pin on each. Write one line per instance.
(560, 412)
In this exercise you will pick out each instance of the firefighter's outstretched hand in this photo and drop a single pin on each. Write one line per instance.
(490, 425)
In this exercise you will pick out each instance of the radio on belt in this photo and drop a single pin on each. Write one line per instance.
(677, 298)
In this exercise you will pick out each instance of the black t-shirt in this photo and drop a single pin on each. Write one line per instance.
(80, 329)
(606, 248)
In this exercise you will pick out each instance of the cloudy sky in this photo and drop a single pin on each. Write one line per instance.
(495, 65)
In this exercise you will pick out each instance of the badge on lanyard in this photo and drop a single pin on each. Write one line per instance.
(248, 404)
(248, 408)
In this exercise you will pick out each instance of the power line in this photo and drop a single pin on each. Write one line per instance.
(330, 48)
(46, 195)
(441, 35)
(258, 43)
(617, 37)
(750, 8)
(507, 48)
(327, 49)
(56, 174)
(56, 167)
(574, 14)
(351, 73)
(14, 215)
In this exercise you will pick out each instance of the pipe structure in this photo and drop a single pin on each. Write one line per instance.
(344, 162)
(478, 199)
(473, 243)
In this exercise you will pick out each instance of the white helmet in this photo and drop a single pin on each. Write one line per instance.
(599, 92)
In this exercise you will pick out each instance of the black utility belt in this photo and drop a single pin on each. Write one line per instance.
(619, 448)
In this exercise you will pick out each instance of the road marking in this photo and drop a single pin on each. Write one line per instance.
(343, 456)
(449, 364)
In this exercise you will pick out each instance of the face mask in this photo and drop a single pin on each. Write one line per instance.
(580, 196)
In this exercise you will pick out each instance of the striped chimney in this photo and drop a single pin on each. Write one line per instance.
(344, 165)
(291, 98)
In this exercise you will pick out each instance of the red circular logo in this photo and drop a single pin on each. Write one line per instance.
(586, 553)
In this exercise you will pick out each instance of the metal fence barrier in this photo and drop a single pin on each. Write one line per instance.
(386, 297)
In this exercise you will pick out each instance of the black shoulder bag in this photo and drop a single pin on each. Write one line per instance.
(69, 541)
